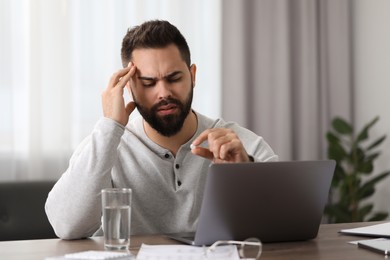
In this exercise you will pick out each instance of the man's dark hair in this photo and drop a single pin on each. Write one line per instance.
(154, 34)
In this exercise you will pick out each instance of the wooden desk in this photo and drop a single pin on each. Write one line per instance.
(328, 245)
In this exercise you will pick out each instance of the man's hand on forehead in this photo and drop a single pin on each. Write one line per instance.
(112, 97)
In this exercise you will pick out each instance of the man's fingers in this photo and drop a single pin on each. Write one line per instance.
(201, 138)
(207, 135)
(123, 80)
(223, 146)
(203, 152)
(121, 77)
(117, 75)
(229, 148)
(217, 142)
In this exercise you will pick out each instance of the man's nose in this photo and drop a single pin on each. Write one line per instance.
(164, 90)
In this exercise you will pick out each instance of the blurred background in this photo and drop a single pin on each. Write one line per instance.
(282, 68)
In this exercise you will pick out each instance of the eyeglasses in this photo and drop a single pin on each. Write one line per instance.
(250, 248)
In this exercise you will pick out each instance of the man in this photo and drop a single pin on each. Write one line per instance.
(163, 155)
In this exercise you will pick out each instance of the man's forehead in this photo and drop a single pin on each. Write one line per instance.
(158, 62)
(157, 74)
(160, 76)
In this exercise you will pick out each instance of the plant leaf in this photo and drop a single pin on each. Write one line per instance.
(365, 167)
(373, 156)
(341, 126)
(363, 135)
(332, 138)
(339, 175)
(367, 189)
(338, 213)
(376, 143)
(376, 179)
(365, 193)
(379, 216)
(353, 159)
(364, 211)
(336, 152)
(356, 155)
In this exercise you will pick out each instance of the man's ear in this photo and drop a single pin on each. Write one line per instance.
(193, 74)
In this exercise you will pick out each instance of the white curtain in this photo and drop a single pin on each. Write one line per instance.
(287, 70)
(57, 57)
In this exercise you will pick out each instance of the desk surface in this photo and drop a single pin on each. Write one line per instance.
(329, 244)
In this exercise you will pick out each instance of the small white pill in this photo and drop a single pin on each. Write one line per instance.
(192, 146)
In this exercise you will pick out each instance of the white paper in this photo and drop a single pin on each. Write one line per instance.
(178, 252)
(355, 242)
(97, 255)
(379, 230)
(377, 245)
(94, 255)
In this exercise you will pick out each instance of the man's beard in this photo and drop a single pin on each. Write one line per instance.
(168, 125)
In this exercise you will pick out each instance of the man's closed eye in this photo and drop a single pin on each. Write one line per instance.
(148, 83)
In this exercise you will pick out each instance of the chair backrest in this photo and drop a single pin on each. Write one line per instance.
(22, 213)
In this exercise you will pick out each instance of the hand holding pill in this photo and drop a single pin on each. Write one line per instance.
(223, 146)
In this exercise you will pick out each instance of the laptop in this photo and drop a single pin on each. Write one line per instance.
(272, 201)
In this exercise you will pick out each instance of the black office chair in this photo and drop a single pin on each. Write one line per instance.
(22, 213)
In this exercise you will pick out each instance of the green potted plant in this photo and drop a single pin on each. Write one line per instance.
(352, 183)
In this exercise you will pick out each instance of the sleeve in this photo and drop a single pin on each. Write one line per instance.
(73, 206)
(256, 146)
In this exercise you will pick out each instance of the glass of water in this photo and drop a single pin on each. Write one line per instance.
(116, 206)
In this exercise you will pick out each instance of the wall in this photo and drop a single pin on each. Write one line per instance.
(372, 80)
